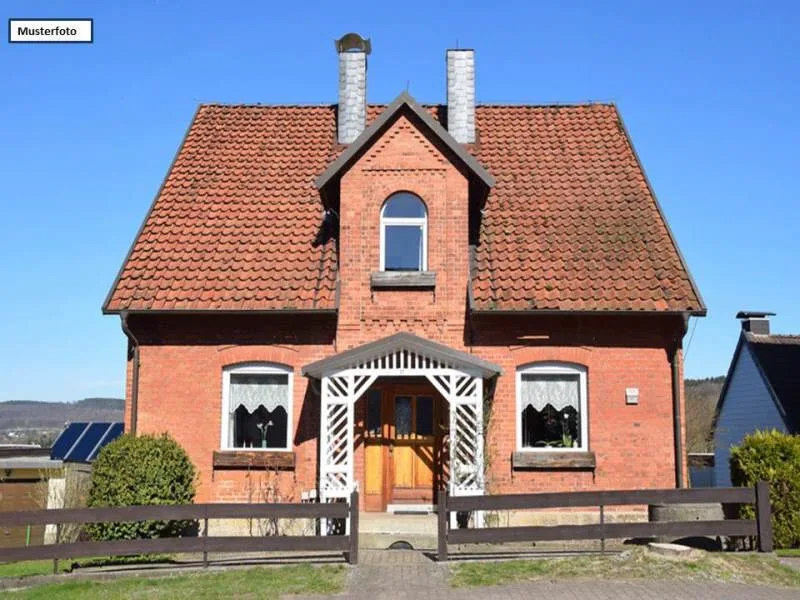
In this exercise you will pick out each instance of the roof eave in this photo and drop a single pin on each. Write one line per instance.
(403, 340)
(554, 311)
(220, 311)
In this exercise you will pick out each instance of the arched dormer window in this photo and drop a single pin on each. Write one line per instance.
(404, 233)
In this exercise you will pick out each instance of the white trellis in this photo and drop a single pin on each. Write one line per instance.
(456, 375)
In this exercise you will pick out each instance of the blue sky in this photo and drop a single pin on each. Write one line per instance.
(708, 91)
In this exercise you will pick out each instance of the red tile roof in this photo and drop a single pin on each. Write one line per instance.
(571, 223)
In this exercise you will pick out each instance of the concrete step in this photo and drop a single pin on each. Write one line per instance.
(382, 541)
(381, 530)
(392, 523)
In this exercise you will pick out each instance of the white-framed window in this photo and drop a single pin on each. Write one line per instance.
(257, 407)
(552, 407)
(404, 233)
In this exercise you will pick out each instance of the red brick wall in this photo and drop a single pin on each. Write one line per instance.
(182, 357)
(403, 160)
(180, 389)
(633, 444)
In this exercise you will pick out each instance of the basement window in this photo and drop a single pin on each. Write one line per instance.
(551, 407)
(404, 233)
(256, 407)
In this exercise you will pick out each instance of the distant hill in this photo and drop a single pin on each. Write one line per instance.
(30, 421)
(701, 402)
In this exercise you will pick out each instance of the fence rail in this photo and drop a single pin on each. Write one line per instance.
(760, 527)
(202, 543)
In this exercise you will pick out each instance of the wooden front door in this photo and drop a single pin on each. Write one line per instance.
(403, 444)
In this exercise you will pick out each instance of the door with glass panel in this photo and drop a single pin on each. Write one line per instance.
(412, 448)
(405, 447)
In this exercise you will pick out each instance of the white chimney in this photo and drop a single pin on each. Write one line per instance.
(461, 95)
(352, 113)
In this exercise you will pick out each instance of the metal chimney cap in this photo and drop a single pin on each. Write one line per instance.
(752, 314)
(353, 41)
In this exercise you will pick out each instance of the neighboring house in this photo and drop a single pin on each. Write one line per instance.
(28, 477)
(32, 477)
(404, 298)
(761, 391)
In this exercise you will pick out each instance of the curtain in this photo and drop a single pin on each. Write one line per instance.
(559, 391)
(252, 391)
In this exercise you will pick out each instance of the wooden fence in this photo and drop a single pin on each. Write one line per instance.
(201, 543)
(760, 527)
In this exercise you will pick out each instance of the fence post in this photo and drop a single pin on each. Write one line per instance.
(58, 540)
(205, 539)
(763, 517)
(442, 514)
(352, 557)
(602, 523)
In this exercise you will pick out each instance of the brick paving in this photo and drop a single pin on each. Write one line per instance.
(412, 575)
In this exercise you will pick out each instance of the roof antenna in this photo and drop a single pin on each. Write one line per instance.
(408, 84)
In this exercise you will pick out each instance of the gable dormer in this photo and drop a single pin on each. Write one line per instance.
(402, 192)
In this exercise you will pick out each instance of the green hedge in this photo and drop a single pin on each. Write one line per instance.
(773, 457)
(142, 469)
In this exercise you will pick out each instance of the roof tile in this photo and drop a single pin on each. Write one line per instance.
(570, 224)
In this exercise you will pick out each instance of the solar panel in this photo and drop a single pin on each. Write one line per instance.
(110, 435)
(86, 443)
(80, 442)
(66, 439)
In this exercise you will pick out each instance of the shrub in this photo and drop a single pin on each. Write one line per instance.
(773, 457)
(141, 470)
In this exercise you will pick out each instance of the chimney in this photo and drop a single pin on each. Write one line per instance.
(461, 95)
(352, 113)
(755, 322)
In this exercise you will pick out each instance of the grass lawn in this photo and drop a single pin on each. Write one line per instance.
(788, 552)
(265, 582)
(32, 567)
(633, 564)
(45, 567)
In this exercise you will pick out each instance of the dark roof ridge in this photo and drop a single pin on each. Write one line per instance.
(772, 338)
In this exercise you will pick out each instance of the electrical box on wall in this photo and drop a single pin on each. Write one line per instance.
(631, 395)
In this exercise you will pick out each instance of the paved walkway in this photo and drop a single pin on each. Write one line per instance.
(411, 575)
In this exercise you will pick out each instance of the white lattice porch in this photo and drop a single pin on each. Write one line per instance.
(459, 378)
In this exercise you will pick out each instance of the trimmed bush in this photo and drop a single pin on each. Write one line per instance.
(142, 469)
(773, 457)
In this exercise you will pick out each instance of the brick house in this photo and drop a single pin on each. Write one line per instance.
(408, 297)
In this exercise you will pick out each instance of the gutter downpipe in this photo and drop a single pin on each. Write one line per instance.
(676, 406)
(134, 375)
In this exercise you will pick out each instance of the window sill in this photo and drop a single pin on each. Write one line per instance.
(553, 460)
(260, 460)
(403, 279)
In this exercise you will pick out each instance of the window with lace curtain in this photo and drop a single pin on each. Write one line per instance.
(256, 407)
(551, 407)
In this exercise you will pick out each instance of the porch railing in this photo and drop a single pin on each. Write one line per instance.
(759, 527)
(202, 543)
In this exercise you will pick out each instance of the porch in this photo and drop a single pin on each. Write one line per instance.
(415, 410)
